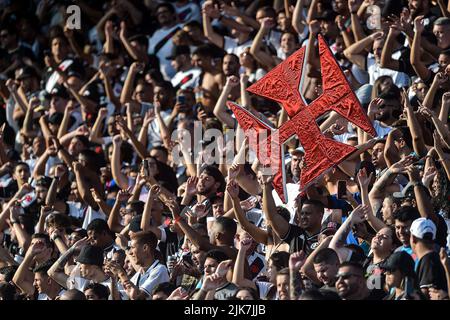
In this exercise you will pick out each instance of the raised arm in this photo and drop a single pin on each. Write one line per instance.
(127, 90)
(414, 127)
(260, 236)
(23, 277)
(210, 12)
(355, 53)
(428, 101)
(390, 150)
(416, 61)
(95, 135)
(279, 225)
(298, 23)
(103, 69)
(364, 182)
(239, 278)
(339, 238)
(357, 28)
(198, 240)
(220, 110)
(65, 121)
(386, 55)
(132, 52)
(116, 164)
(257, 46)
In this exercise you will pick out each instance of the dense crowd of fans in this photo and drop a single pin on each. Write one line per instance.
(111, 189)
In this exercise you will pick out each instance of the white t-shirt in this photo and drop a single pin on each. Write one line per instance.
(231, 45)
(293, 189)
(91, 215)
(381, 129)
(375, 71)
(186, 79)
(189, 12)
(166, 69)
(157, 273)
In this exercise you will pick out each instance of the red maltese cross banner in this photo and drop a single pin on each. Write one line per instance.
(281, 84)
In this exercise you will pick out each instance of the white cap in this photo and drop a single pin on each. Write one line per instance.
(421, 226)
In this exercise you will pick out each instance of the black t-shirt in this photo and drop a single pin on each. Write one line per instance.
(298, 240)
(171, 245)
(430, 272)
(376, 294)
(441, 232)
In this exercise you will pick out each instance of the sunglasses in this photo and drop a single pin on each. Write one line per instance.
(346, 276)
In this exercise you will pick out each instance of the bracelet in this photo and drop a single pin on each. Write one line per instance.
(14, 222)
(57, 237)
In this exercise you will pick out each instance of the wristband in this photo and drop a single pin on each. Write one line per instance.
(57, 237)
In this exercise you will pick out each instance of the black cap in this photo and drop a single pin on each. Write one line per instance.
(407, 192)
(92, 93)
(327, 15)
(177, 50)
(59, 91)
(44, 181)
(91, 255)
(26, 72)
(399, 261)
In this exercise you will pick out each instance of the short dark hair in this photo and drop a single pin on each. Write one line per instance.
(98, 225)
(21, 163)
(227, 224)
(7, 291)
(280, 260)
(217, 255)
(167, 86)
(315, 203)
(45, 237)
(167, 5)
(162, 149)
(354, 265)
(326, 255)
(165, 287)
(8, 272)
(442, 21)
(100, 290)
(216, 174)
(406, 213)
(139, 38)
(406, 136)
(204, 51)
(284, 213)
(44, 267)
(145, 237)
(358, 255)
(284, 272)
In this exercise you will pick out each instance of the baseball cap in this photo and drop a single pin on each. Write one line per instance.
(59, 91)
(399, 261)
(177, 50)
(327, 15)
(422, 228)
(91, 255)
(407, 192)
(26, 72)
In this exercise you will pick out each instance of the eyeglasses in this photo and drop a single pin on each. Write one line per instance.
(346, 275)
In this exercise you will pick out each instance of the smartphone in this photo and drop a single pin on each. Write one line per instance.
(187, 260)
(145, 167)
(342, 189)
(181, 99)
